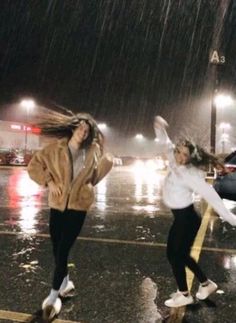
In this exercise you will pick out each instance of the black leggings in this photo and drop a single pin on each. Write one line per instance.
(64, 228)
(180, 240)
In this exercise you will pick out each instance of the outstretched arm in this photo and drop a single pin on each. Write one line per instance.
(199, 185)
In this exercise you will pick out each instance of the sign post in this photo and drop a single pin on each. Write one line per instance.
(215, 60)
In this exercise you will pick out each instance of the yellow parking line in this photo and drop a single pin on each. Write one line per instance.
(26, 318)
(177, 314)
(198, 243)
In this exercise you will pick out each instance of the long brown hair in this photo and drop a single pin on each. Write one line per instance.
(57, 125)
(199, 157)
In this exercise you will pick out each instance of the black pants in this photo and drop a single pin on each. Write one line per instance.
(180, 240)
(64, 229)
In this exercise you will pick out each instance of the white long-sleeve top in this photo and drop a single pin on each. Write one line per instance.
(182, 181)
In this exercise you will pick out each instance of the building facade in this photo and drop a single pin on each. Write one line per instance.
(15, 135)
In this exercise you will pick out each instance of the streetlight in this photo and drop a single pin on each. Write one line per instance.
(224, 136)
(27, 104)
(218, 101)
(139, 136)
(224, 126)
(223, 100)
(102, 126)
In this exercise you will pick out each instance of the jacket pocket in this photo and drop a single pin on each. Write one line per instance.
(86, 195)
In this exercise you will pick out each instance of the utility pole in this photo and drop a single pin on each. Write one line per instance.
(215, 60)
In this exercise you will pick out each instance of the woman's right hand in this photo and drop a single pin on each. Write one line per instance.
(54, 189)
(160, 122)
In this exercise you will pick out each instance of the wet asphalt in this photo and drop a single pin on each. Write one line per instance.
(118, 264)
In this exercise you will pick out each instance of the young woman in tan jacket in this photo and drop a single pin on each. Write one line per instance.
(69, 168)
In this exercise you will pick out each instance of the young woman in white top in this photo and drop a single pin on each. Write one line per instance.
(186, 176)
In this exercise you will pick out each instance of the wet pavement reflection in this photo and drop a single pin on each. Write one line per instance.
(118, 264)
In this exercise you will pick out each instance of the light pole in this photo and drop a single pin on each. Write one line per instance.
(221, 101)
(27, 104)
(216, 60)
(224, 136)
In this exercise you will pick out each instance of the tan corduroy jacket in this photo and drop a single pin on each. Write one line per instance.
(54, 163)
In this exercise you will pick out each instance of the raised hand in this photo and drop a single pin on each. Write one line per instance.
(160, 122)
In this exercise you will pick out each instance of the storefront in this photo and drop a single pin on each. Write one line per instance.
(15, 135)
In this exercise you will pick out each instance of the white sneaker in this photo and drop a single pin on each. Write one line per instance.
(50, 310)
(69, 288)
(174, 293)
(178, 299)
(204, 291)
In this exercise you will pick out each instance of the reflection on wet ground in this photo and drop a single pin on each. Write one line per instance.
(118, 264)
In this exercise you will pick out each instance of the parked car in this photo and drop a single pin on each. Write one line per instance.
(18, 160)
(117, 161)
(2, 159)
(225, 182)
(10, 155)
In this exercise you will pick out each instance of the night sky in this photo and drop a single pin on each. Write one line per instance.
(121, 60)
